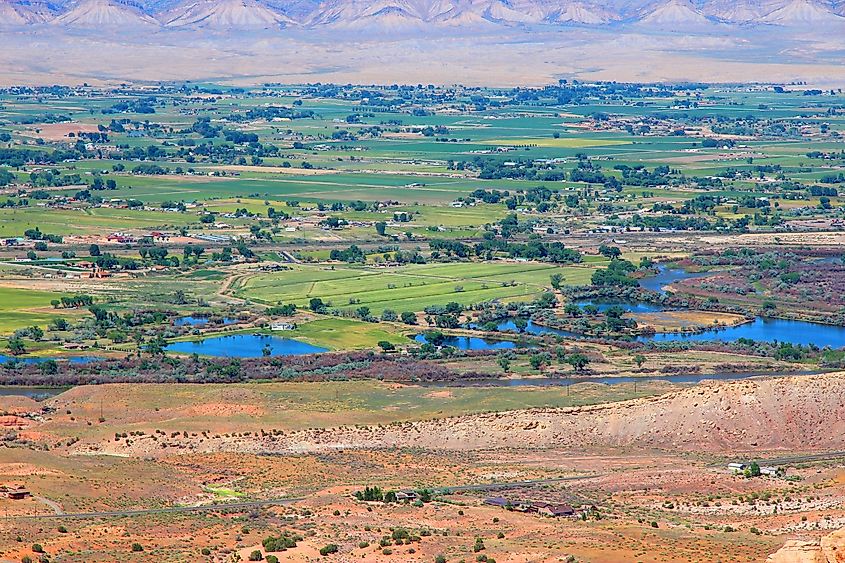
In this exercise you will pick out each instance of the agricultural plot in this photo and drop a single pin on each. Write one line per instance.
(408, 288)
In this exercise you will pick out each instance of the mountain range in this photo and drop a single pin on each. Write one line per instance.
(403, 15)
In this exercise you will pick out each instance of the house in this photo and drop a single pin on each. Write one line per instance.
(15, 492)
(737, 467)
(158, 236)
(771, 471)
(556, 510)
(120, 238)
(497, 501)
(406, 495)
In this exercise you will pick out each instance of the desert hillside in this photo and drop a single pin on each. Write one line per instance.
(803, 413)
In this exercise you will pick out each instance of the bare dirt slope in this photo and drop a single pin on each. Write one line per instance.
(798, 414)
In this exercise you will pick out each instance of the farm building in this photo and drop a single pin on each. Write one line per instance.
(556, 510)
(406, 495)
(14, 492)
(737, 467)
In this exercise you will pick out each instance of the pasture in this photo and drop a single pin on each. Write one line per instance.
(408, 288)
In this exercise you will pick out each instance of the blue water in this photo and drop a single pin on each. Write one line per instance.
(767, 330)
(533, 328)
(763, 330)
(198, 321)
(471, 343)
(244, 346)
(668, 276)
(604, 305)
(29, 360)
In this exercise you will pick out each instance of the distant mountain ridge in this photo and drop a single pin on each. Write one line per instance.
(409, 15)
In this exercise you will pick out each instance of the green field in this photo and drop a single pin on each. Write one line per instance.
(345, 334)
(20, 308)
(408, 288)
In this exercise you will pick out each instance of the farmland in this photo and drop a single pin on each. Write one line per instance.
(273, 297)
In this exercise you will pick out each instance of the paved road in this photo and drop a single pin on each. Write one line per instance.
(169, 510)
(824, 456)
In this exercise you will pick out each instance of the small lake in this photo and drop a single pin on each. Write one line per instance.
(199, 321)
(471, 343)
(244, 346)
(762, 330)
(667, 276)
(533, 328)
(767, 330)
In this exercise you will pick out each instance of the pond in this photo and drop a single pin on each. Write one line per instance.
(533, 328)
(244, 346)
(667, 276)
(199, 321)
(471, 343)
(767, 330)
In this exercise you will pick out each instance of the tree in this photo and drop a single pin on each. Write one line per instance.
(639, 359)
(557, 280)
(381, 228)
(94, 250)
(35, 332)
(388, 315)
(611, 252)
(316, 304)
(577, 361)
(504, 363)
(386, 346)
(520, 323)
(409, 318)
(753, 470)
(537, 361)
(16, 346)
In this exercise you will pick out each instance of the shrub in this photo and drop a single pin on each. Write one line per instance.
(440, 559)
(328, 549)
(206, 551)
(256, 556)
(271, 559)
(36, 547)
(137, 547)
